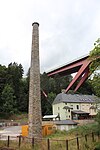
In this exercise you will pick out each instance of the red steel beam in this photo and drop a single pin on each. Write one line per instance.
(79, 73)
(83, 79)
(81, 66)
(69, 68)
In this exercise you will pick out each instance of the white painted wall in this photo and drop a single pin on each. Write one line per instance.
(65, 114)
(66, 127)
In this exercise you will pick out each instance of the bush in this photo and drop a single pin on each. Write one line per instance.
(97, 147)
(98, 120)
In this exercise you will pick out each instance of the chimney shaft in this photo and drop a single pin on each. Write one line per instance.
(35, 120)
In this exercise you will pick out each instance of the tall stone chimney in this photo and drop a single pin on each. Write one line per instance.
(35, 120)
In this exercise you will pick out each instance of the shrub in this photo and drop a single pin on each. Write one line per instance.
(97, 147)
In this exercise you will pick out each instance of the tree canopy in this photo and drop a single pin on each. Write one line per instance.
(8, 99)
(95, 66)
(95, 83)
(95, 56)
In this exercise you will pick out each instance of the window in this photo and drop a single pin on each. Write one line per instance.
(65, 103)
(77, 106)
(68, 110)
(71, 106)
(58, 108)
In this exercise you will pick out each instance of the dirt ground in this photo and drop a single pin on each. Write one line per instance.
(5, 148)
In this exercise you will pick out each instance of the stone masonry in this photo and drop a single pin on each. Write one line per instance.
(35, 119)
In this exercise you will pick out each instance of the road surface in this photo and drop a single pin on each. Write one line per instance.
(12, 131)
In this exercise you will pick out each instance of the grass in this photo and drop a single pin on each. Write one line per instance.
(58, 141)
(80, 131)
(85, 129)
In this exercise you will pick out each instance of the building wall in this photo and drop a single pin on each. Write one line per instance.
(66, 113)
(66, 127)
(58, 109)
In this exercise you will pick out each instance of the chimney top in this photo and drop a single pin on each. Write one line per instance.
(63, 91)
(35, 23)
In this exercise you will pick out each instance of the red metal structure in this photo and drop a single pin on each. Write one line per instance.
(81, 66)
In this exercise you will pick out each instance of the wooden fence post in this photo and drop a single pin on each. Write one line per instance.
(86, 138)
(8, 141)
(92, 137)
(19, 141)
(66, 144)
(33, 142)
(77, 143)
(48, 144)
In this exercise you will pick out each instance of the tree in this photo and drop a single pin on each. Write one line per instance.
(61, 82)
(47, 103)
(95, 82)
(14, 76)
(44, 79)
(8, 100)
(95, 65)
(23, 95)
(3, 74)
(51, 86)
(95, 56)
(86, 88)
(51, 97)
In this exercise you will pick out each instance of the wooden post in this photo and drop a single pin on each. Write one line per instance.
(66, 144)
(77, 143)
(92, 137)
(86, 138)
(8, 141)
(33, 142)
(48, 144)
(19, 141)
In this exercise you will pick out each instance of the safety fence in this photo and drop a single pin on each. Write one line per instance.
(78, 143)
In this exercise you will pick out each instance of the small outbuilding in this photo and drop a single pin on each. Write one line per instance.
(65, 124)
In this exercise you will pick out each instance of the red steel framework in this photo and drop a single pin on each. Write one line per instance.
(81, 66)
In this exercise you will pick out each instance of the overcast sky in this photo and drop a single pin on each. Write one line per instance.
(68, 29)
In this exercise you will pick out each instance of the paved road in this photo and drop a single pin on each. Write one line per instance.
(12, 131)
